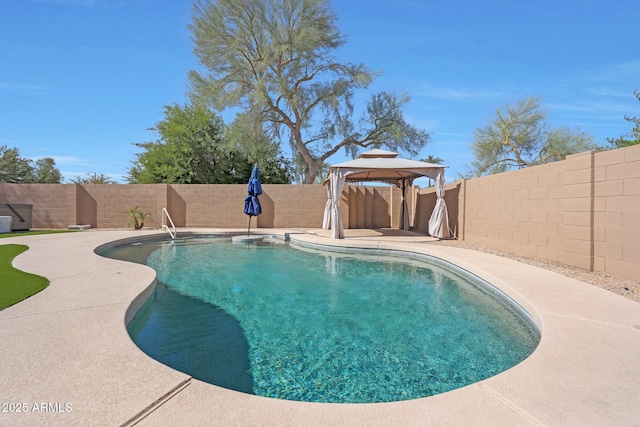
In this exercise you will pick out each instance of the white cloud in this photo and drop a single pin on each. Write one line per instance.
(615, 72)
(429, 90)
(583, 106)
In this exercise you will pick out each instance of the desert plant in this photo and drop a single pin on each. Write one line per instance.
(137, 217)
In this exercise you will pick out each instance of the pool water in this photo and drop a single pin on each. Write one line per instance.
(283, 322)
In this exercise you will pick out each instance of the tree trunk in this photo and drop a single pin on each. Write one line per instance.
(314, 164)
(314, 167)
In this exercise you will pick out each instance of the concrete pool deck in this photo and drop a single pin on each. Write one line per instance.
(67, 359)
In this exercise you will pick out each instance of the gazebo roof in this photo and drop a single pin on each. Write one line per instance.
(376, 152)
(385, 166)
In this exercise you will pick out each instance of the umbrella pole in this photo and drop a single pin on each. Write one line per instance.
(249, 226)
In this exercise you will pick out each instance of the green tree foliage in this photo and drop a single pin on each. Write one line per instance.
(19, 170)
(247, 137)
(272, 59)
(92, 178)
(192, 150)
(519, 137)
(45, 171)
(432, 159)
(13, 168)
(633, 137)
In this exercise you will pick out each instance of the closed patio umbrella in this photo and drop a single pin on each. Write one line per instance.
(251, 202)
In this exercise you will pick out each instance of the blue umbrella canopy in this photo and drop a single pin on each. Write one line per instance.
(251, 202)
(254, 189)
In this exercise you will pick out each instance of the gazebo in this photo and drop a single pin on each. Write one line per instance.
(385, 166)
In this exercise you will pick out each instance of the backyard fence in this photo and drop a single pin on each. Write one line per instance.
(583, 211)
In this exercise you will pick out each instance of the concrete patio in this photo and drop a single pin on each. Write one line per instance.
(67, 359)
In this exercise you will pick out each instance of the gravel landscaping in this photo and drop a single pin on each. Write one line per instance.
(625, 287)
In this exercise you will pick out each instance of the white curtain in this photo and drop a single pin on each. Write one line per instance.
(404, 209)
(336, 184)
(439, 221)
(326, 219)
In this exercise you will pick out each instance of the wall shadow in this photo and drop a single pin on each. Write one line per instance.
(267, 218)
(380, 210)
(451, 198)
(177, 207)
(86, 207)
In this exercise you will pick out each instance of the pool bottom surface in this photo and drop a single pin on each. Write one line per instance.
(199, 339)
(327, 328)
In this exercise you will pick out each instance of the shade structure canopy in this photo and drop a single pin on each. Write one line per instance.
(385, 166)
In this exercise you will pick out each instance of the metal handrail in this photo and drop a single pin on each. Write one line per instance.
(165, 227)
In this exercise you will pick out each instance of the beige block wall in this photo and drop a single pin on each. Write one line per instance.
(284, 206)
(617, 212)
(292, 206)
(108, 205)
(542, 211)
(54, 205)
(575, 242)
(583, 211)
(221, 206)
(371, 206)
(207, 205)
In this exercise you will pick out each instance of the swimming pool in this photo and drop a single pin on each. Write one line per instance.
(302, 324)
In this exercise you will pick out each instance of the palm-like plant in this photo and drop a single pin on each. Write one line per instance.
(137, 217)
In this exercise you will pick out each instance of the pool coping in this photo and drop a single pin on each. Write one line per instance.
(67, 358)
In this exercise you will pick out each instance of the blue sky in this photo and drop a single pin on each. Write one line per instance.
(83, 80)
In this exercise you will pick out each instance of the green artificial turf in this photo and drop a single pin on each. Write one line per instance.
(16, 285)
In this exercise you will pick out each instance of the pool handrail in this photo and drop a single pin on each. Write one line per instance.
(165, 227)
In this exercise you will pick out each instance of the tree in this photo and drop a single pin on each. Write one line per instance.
(633, 137)
(273, 60)
(433, 159)
(560, 142)
(45, 171)
(248, 137)
(92, 178)
(13, 168)
(192, 150)
(519, 137)
(18, 170)
(299, 170)
(186, 152)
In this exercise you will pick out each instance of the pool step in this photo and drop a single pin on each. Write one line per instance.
(247, 239)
